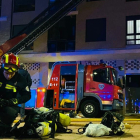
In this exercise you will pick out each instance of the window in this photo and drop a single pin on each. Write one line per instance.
(115, 76)
(132, 81)
(101, 75)
(0, 7)
(61, 46)
(96, 30)
(16, 29)
(61, 36)
(24, 5)
(133, 30)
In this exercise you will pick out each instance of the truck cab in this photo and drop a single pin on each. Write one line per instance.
(102, 90)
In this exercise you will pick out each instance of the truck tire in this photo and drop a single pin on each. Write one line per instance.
(90, 109)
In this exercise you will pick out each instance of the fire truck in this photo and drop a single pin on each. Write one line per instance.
(89, 89)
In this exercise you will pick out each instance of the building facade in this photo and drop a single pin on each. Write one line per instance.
(94, 30)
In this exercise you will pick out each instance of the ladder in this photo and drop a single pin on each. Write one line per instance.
(38, 26)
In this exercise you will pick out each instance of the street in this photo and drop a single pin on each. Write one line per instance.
(132, 130)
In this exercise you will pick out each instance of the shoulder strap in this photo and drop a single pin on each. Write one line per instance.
(83, 128)
(62, 129)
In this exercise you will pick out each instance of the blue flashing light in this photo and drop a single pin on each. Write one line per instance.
(103, 92)
(109, 96)
(105, 96)
(128, 74)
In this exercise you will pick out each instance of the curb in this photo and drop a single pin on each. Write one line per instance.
(95, 120)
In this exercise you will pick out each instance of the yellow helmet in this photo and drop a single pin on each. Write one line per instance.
(64, 119)
(44, 128)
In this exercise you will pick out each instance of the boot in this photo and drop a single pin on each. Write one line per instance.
(4, 130)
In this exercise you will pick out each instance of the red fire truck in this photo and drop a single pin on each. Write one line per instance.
(89, 89)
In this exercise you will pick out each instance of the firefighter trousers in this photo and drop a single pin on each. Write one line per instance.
(8, 114)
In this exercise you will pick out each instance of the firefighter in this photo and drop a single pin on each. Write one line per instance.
(11, 83)
(26, 74)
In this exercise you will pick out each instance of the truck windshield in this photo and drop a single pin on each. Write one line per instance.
(101, 75)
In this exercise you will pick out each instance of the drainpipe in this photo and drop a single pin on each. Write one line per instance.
(11, 27)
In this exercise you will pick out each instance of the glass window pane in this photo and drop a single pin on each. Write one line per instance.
(16, 29)
(130, 42)
(137, 26)
(61, 46)
(96, 30)
(101, 75)
(137, 41)
(70, 46)
(130, 27)
(130, 37)
(137, 36)
(24, 5)
(52, 46)
(115, 76)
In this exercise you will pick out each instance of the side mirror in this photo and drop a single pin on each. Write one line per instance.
(120, 68)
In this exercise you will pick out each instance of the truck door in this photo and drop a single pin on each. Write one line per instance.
(67, 92)
(100, 83)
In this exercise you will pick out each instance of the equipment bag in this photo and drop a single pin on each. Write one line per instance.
(41, 122)
(62, 121)
(83, 129)
(32, 122)
(114, 121)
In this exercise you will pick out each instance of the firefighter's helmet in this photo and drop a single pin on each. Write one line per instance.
(10, 58)
(44, 128)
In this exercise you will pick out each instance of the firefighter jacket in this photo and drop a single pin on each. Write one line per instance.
(17, 85)
(26, 76)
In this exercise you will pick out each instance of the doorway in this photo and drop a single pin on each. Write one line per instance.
(49, 99)
(132, 92)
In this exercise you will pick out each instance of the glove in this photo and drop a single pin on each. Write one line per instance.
(13, 101)
(3, 102)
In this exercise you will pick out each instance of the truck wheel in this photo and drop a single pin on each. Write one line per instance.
(90, 109)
